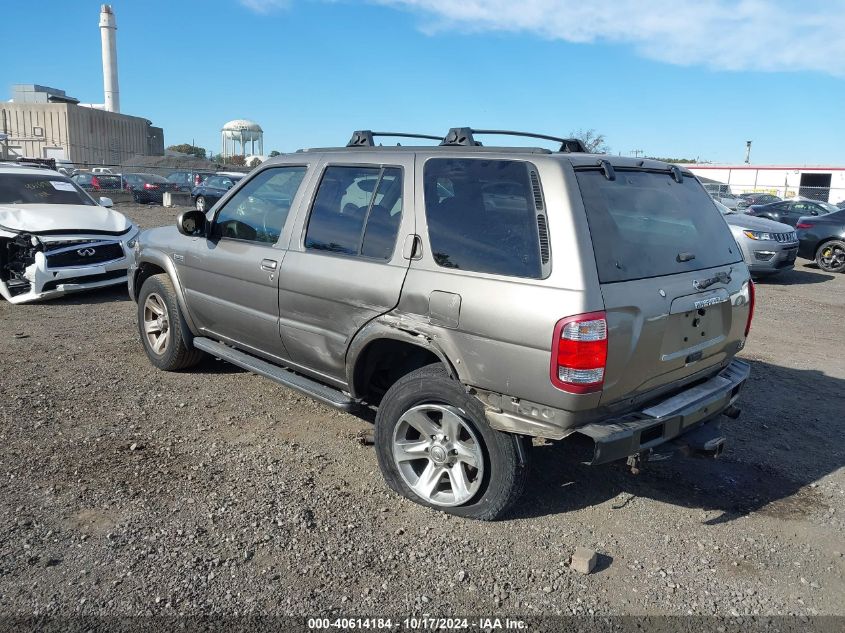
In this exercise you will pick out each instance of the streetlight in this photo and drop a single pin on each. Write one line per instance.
(747, 152)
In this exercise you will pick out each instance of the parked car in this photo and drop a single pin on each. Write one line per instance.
(722, 194)
(789, 211)
(212, 189)
(475, 296)
(822, 238)
(98, 182)
(54, 238)
(759, 198)
(841, 204)
(148, 188)
(768, 247)
(187, 180)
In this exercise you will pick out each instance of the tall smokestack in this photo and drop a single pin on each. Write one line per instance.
(108, 33)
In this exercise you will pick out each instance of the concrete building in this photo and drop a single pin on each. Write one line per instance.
(44, 122)
(818, 182)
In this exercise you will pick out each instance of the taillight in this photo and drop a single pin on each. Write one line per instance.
(95, 182)
(579, 353)
(751, 301)
(197, 180)
(803, 225)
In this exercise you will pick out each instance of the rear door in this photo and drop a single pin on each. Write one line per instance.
(345, 265)
(672, 278)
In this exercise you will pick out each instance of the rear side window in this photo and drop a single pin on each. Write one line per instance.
(357, 211)
(647, 225)
(481, 216)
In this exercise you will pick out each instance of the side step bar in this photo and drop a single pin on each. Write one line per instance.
(318, 391)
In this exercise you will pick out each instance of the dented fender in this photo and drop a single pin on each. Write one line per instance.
(400, 327)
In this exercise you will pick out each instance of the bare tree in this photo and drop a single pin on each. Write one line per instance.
(592, 140)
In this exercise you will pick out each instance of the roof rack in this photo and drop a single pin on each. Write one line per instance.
(364, 138)
(466, 136)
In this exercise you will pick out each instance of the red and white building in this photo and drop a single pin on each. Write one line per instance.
(818, 182)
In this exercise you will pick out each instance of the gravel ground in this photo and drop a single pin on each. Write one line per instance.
(126, 490)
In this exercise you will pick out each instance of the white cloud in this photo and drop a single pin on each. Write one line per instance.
(764, 35)
(265, 6)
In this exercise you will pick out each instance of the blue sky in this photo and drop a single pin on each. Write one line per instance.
(672, 80)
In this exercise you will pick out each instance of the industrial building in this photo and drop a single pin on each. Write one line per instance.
(817, 182)
(44, 122)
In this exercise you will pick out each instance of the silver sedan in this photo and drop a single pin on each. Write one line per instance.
(767, 246)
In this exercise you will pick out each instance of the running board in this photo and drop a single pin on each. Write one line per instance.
(316, 390)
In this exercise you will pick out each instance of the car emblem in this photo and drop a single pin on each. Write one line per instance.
(706, 303)
(85, 252)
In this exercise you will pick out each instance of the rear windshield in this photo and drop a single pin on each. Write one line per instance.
(40, 189)
(108, 182)
(648, 225)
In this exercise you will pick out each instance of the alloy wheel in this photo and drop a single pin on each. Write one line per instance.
(438, 454)
(832, 257)
(156, 323)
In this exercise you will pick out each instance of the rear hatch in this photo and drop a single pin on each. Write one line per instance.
(674, 285)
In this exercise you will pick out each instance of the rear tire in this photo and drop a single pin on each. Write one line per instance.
(164, 333)
(830, 256)
(434, 447)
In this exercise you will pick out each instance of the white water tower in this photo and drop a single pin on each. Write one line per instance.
(241, 132)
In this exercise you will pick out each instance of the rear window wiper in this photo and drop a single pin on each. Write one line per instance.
(722, 277)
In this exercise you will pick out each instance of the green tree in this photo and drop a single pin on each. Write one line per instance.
(675, 160)
(187, 148)
(275, 153)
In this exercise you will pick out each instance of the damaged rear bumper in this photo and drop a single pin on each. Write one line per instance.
(666, 420)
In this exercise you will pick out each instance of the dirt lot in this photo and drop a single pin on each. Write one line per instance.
(126, 490)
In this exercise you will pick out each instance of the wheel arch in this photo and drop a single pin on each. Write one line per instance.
(385, 352)
(154, 262)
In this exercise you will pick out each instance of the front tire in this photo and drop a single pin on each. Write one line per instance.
(164, 333)
(201, 204)
(830, 256)
(434, 447)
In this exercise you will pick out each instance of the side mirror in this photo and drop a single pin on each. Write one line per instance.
(192, 223)
(106, 202)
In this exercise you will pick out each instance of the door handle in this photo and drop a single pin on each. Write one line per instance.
(269, 264)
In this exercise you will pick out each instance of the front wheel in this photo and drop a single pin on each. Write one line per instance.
(201, 204)
(163, 330)
(434, 446)
(831, 256)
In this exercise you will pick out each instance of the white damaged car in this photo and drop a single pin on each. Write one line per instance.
(55, 239)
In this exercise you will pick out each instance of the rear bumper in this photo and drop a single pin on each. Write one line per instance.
(667, 420)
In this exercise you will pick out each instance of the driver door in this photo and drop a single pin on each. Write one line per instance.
(231, 277)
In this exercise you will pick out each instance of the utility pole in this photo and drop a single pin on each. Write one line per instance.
(747, 152)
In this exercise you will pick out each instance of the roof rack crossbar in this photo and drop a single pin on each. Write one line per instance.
(465, 136)
(365, 138)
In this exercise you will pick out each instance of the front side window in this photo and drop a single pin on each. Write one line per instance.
(357, 211)
(259, 210)
(41, 189)
(481, 216)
